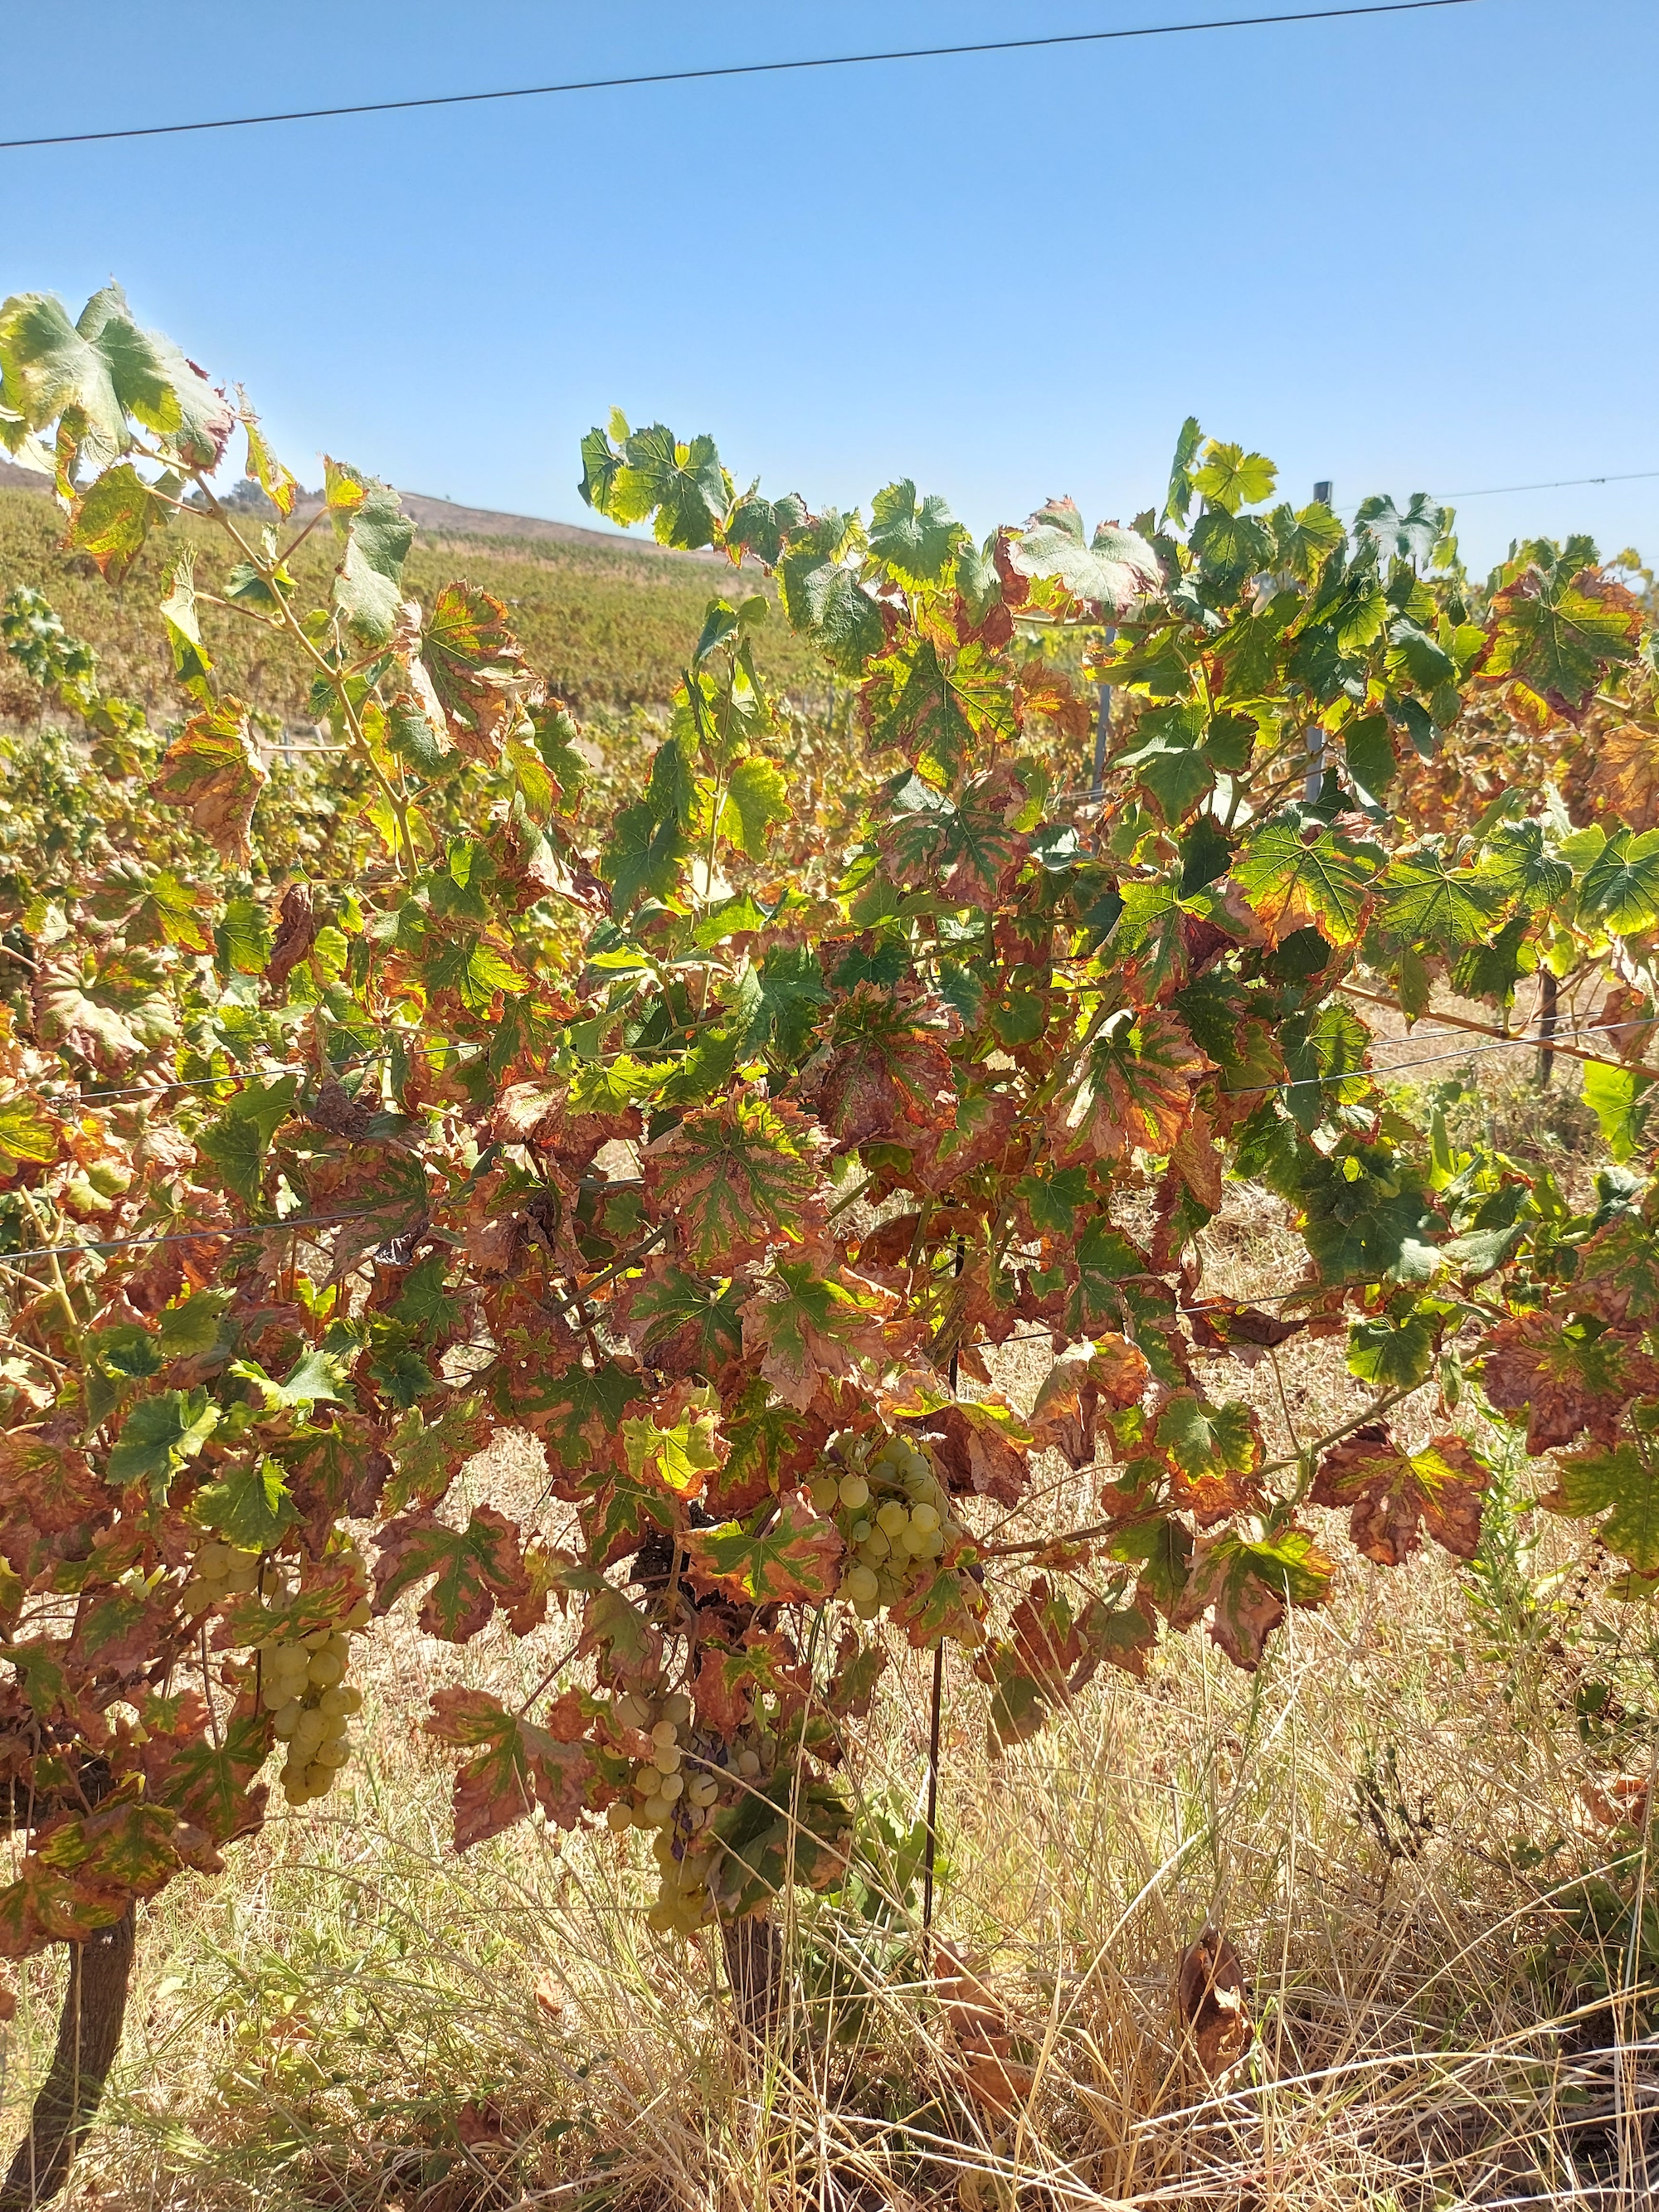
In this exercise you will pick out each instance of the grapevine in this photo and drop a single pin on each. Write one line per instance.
(713, 1120)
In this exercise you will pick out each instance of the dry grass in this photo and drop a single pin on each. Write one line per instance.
(1402, 1822)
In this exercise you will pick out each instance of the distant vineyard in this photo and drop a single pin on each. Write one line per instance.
(609, 629)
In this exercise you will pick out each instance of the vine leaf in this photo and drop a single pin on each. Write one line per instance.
(1392, 1494)
(576, 1411)
(515, 1766)
(787, 1830)
(1109, 571)
(478, 673)
(737, 1178)
(1621, 1101)
(1620, 886)
(212, 771)
(629, 1650)
(810, 1330)
(204, 1773)
(768, 1446)
(103, 369)
(1142, 1070)
(949, 1603)
(250, 1507)
(1216, 1450)
(1566, 1378)
(428, 1450)
(654, 473)
(681, 1323)
(888, 1075)
(1294, 878)
(935, 709)
(963, 846)
(113, 519)
(83, 1872)
(1556, 637)
(1248, 1586)
(674, 1447)
(757, 801)
(369, 586)
(158, 1436)
(1421, 900)
(472, 1569)
(794, 1556)
(915, 539)
(730, 1677)
(1623, 1485)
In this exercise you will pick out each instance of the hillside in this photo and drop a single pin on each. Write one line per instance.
(607, 619)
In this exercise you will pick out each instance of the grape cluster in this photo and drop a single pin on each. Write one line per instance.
(220, 1571)
(665, 1792)
(679, 1803)
(302, 1682)
(895, 1516)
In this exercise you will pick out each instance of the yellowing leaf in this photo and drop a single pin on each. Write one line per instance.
(757, 799)
(1292, 878)
(1622, 1485)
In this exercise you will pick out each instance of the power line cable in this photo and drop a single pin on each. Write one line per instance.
(1555, 483)
(737, 69)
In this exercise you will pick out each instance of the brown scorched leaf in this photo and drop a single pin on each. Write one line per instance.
(731, 1676)
(1624, 780)
(1249, 1586)
(1393, 1495)
(1564, 1378)
(1110, 1372)
(213, 772)
(45, 1480)
(887, 1077)
(1142, 1070)
(473, 1570)
(515, 1766)
(811, 1331)
(982, 1447)
(737, 1179)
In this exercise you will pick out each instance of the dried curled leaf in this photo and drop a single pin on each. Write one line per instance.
(1212, 2004)
(977, 2024)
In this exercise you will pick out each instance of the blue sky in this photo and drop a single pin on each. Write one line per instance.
(1402, 252)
